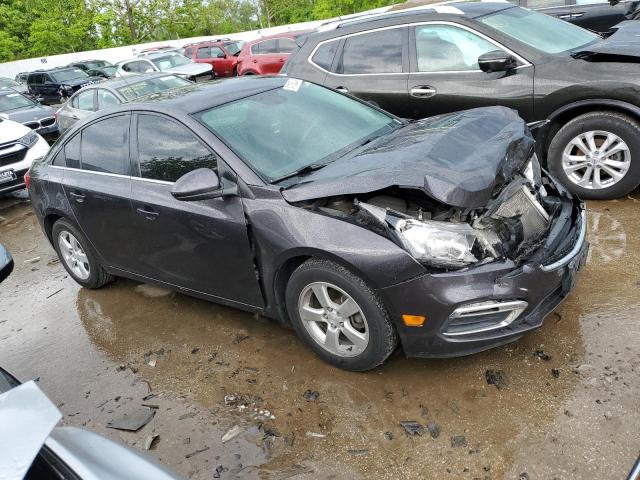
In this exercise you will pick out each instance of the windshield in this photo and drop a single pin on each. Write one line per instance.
(233, 47)
(151, 85)
(66, 75)
(540, 31)
(96, 64)
(169, 61)
(7, 82)
(282, 131)
(14, 101)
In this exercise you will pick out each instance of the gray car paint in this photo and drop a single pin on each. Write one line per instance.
(624, 42)
(276, 236)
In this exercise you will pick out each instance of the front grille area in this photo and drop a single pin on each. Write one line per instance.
(32, 125)
(523, 205)
(13, 157)
(47, 122)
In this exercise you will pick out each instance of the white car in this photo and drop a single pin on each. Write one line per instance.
(168, 62)
(19, 147)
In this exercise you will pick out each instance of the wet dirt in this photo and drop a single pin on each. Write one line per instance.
(572, 411)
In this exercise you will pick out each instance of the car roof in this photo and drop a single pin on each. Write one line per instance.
(115, 83)
(203, 96)
(291, 34)
(161, 53)
(471, 9)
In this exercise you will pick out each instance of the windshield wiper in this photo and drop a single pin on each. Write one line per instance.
(302, 171)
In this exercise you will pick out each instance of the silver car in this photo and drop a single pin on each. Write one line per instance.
(32, 447)
(169, 62)
(113, 92)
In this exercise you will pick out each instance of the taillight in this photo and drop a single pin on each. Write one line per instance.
(27, 180)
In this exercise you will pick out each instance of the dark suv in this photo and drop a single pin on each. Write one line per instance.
(53, 86)
(444, 58)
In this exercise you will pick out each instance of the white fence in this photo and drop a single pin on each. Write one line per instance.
(113, 55)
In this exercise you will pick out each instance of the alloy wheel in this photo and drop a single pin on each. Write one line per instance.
(596, 159)
(333, 319)
(74, 255)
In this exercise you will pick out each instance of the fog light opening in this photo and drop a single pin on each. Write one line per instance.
(413, 320)
(483, 317)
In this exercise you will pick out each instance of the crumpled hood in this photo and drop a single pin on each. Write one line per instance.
(457, 159)
(624, 42)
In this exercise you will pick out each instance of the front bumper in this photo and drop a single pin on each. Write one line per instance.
(39, 150)
(543, 285)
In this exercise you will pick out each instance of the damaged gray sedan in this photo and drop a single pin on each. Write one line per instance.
(281, 197)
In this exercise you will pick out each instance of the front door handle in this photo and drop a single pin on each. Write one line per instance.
(147, 213)
(423, 91)
(78, 197)
(342, 89)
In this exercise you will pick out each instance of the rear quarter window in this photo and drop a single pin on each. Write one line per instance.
(324, 55)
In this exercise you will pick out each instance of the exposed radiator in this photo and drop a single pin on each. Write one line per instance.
(524, 205)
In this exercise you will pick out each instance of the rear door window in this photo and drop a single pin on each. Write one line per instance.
(216, 52)
(106, 99)
(85, 101)
(167, 149)
(375, 52)
(324, 55)
(105, 146)
(204, 52)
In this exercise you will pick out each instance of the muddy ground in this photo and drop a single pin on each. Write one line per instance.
(574, 413)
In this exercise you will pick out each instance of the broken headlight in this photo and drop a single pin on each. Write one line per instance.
(437, 243)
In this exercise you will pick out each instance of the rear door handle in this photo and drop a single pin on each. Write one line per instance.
(78, 197)
(342, 89)
(147, 213)
(423, 91)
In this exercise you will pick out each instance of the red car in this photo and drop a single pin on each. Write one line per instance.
(267, 55)
(222, 54)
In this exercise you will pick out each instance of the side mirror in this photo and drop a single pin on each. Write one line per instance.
(497, 61)
(199, 184)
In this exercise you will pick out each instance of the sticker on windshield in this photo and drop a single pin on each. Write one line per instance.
(166, 79)
(293, 84)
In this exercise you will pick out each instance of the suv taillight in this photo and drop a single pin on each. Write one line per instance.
(27, 180)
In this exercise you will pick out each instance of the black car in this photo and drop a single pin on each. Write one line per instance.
(450, 57)
(53, 86)
(96, 68)
(282, 197)
(19, 108)
(595, 15)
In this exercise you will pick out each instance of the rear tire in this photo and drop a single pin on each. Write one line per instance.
(577, 159)
(77, 256)
(345, 324)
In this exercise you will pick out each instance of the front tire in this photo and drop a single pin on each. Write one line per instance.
(77, 256)
(339, 316)
(597, 155)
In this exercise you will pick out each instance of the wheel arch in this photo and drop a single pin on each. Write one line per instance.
(561, 116)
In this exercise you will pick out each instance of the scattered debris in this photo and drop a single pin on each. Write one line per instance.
(496, 377)
(55, 293)
(412, 428)
(187, 415)
(32, 260)
(132, 421)
(195, 350)
(232, 433)
(219, 469)
(152, 363)
(186, 440)
(388, 435)
(150, 441)
(424, 412)
(149, 397)
(240, 338)
(458, 441)
(434, 429)
(555, 373)
(358, 453)
(120, 368)
(542, 355)
(151, 405)
(189, 455)
(523, 476)
(311, 395)
(315, 435)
